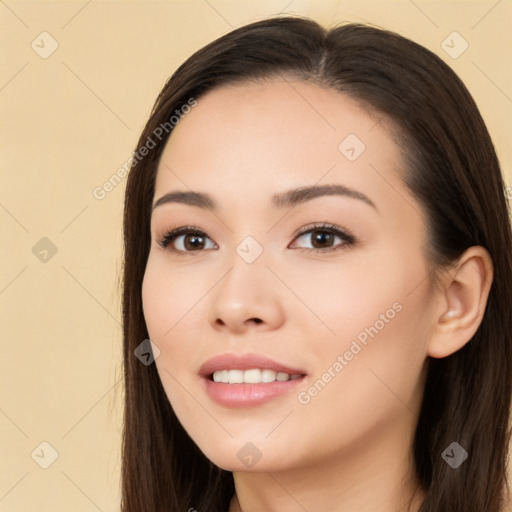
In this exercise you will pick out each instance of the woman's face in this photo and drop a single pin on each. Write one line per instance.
(339, 313)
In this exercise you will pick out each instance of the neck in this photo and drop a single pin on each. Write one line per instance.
(375, 474)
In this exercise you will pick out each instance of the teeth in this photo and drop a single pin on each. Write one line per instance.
(235, 376)
(252, 376)
(268, 376)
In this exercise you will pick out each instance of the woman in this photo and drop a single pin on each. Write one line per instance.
(318, 246)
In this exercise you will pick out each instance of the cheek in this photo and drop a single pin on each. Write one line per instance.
(368, 380)
(385, 357)
(166, 303)
(381, 316)
(174, 302)
(168, 296)
(348, 297)
(169, 301)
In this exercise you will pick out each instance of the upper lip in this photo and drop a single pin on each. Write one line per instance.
(245, 362)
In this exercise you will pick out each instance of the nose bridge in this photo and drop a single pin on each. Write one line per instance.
(248, 257)
(246, 279)
(246, 291)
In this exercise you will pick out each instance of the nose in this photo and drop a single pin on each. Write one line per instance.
(247, 297)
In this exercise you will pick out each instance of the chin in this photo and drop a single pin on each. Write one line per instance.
(238, 454)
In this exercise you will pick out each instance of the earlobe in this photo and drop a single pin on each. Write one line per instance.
(463, 294)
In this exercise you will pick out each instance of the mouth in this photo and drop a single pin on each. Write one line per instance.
(247, 381)
(252, 376)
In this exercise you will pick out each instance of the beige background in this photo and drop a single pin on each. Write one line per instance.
(68, 122)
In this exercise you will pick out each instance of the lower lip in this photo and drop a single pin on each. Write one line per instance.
(248, 395)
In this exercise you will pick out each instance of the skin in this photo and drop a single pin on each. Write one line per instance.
(349, 447)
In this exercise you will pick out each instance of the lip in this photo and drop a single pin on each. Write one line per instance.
(246, 395)
(245, 362)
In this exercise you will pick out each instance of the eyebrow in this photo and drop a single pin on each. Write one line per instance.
(286, 199)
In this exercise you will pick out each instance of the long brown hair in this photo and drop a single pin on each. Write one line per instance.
(453, 172)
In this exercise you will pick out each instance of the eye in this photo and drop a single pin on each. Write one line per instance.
(323, 236)
(186, 239)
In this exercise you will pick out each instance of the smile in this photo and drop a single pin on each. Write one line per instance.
(247, 380)
(253, 376)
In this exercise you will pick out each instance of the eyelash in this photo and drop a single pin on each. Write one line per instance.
(348, 239)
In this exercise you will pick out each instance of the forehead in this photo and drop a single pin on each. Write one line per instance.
(274, 134)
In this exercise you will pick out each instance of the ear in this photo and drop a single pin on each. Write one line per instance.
(463, 293)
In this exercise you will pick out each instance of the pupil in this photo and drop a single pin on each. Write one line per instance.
(321, 237)
(191, 241)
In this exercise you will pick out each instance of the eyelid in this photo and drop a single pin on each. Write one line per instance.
(348, 238)
(170, 235)
(317, 226)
